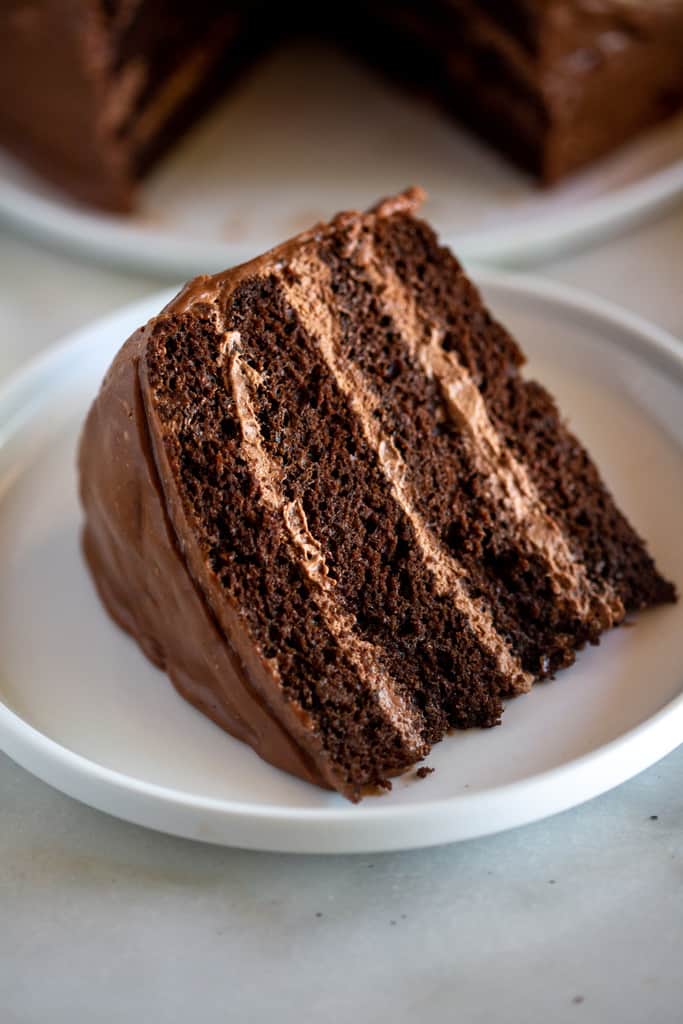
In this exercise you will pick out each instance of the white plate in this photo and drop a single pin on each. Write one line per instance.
(81, 707)
(309, 133)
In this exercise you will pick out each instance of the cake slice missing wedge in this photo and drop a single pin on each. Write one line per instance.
(320, 493)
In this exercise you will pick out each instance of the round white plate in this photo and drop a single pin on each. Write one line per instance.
(309, 133)
(81, 707)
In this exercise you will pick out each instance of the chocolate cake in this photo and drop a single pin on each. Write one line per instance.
(320, 493)
(554, 84)
(93, 91)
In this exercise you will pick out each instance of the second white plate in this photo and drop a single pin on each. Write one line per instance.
(309, 133)
(82, 708)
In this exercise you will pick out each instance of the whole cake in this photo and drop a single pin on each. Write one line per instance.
(92, 92)
(320, 493)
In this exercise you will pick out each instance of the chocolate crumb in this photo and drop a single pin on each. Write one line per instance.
(376, 789)
(423, 772)
(577, 999)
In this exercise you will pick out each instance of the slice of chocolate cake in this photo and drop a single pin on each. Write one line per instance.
(320, 493)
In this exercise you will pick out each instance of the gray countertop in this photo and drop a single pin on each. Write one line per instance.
(578, 918)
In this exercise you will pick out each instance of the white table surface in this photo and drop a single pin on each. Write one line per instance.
(576, 919)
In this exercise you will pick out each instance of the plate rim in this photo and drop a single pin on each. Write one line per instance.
(112, 241)
(277, 827)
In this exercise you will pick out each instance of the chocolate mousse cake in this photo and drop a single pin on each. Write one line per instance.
(321, 494)
(93, 91)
